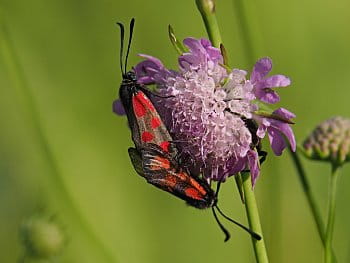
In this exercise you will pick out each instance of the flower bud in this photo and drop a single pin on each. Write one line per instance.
(42, 237)
(206, 6)
(329, 141)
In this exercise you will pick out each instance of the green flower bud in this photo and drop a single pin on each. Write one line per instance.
(42, 237)
(329, 141)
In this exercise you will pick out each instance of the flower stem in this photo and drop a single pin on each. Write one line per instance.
(253, 219)
(331, 214)
(310, 199)
(207, 10)
(244, 30)
(32, 115)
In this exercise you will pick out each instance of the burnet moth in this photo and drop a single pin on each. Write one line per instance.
(154, 156)
(144, 121)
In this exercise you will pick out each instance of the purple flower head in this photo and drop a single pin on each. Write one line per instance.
(206, 109)
(278, 130)
(263, 86)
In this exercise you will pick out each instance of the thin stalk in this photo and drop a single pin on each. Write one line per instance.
(331, 214)
(244, 30)
(21, 86)
(207, 10)
(315, 211)
(309, 196)
(253, 219)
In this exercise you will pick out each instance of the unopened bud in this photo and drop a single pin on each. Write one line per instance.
(206, 6)
(330, 141)
(42, 237)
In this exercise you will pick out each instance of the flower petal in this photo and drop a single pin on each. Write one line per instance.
(253, 162)
(194, 45)
(187, 61)
(261, 131)
(238, 166)
(267, 95)
(276, 81)
(118, 108)
(284, 113)
(150, 70)
(201, 52)
(276, 140)
(261, 68)
(278, 131)
(287, 131)
(213, 52)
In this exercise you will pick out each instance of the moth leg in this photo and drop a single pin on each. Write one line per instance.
(263, 156)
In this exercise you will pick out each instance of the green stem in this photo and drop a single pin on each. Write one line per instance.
(244, 30)
(253, 219)
(310, 199)
(17, 77)
(331, 214)
(207, 10)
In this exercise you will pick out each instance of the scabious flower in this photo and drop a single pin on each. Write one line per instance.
(211, 112)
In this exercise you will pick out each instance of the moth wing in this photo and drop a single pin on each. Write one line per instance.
(126, 97)
(136, 160)
(149, 122)
(162, 172)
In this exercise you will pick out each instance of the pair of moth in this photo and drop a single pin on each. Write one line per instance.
(155, 155)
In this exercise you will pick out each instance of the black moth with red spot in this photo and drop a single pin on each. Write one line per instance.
(154, 157)
(144, 121)
(162, 171)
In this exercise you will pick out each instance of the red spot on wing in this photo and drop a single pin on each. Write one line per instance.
(198, 186)
(165, 146)
(171, 181)
(147, 136)
(165, 163)
(183, 176)
(139, 108)
(160, 163)
(193, 193)
(147, 104)
(155, 122)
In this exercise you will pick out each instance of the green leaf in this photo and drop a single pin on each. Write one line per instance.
(273, 116)
(177, 45)
(224, 55)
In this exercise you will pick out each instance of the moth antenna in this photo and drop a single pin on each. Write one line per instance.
(223, 229)
(121, 47)
(132, 23)
(252, 233)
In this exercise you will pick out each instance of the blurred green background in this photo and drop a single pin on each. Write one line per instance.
(68, 51)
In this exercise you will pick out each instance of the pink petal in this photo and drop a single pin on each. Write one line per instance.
(277, 142)
(253, 160)
(267, 95)
(284, 113)
(261, 68)
(276, 81)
